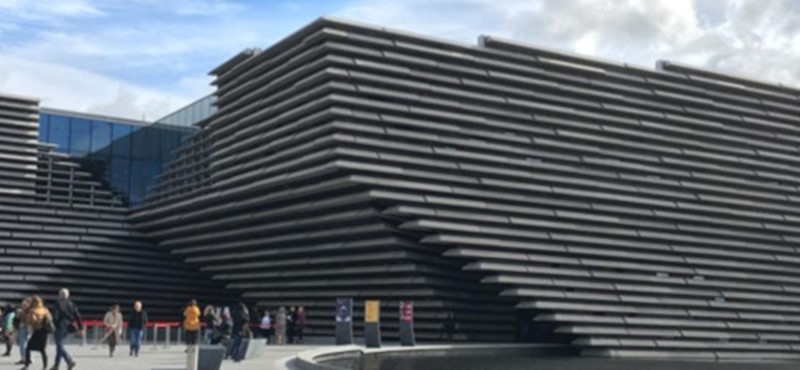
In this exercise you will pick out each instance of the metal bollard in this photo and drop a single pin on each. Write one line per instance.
(166, 344)
(180, 333)
(192, 358)
(155, 336)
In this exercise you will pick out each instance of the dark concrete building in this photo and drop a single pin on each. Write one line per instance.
(537, 195)
(61, 227)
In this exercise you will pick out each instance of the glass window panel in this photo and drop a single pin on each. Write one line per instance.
(80, 137)
(170, 140)
(101, 137)
(44, 128)
(95, 164)
(59, 133)
(152, 169)
(121, 135)
(138, 181)
(153, 143)
(121, 175)
(138, 143)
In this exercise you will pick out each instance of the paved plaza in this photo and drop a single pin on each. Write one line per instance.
(174, 358)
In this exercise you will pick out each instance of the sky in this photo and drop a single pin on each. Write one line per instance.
(142, 59)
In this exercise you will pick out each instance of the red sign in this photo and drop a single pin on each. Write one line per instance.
(406, 311)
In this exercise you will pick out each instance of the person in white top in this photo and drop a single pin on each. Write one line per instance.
(266, 325)
(112, 325)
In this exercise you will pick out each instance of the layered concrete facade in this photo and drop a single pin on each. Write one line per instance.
(60, 228)
(625, 210)
(629, 211)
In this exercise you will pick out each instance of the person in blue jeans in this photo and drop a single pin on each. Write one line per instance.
(66, 318)
(23, 332)
(137, 323)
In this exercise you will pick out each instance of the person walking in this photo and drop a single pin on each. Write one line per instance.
(241, 329)
(22, 328)
(210, 320)
(280, 326)
(291, 324)
(191, 323)
(137, 323)
(42, 324)
(254, 319)
(449, 326)
(9, 333)
(112, 325)
(222, 333)
(67, 319)
(272, 317)
(265, 325)
(301, 323)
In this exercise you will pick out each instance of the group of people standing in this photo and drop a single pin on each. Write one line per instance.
(285, 326)
(229, 327)
(30, 325)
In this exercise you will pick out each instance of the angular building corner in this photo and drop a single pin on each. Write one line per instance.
(537, 195)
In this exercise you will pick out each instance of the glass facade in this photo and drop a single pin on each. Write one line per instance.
(192, 113)
(127, 156)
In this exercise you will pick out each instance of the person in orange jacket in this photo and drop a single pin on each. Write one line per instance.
(191, 323)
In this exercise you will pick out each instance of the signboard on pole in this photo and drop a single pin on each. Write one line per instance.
(406, 311)
(344, 310)
(406, 316)
(372, 312)
(344, 320)
(372, 323)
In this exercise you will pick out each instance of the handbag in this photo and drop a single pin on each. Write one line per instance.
(48, 325)
(72, 328)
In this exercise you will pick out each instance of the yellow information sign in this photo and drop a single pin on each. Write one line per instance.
(372, 311)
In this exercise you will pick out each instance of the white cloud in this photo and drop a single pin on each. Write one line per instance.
(132, 59)
(148, 57)
(195, 7)
(39, 9)
(69, 88)
(759, 38)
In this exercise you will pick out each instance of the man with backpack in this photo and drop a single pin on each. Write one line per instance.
(67, 320)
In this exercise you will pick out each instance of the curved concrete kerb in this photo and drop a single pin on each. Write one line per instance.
(312, 359)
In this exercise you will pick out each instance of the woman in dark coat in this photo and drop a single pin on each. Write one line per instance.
(41, 322)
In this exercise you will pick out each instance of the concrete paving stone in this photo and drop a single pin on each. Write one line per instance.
(160, 358)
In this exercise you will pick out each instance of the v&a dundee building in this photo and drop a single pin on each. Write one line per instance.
(539, 196)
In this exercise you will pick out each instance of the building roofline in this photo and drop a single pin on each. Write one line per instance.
(93, 116)
(731, 78)
(491, 43)
(4, 95)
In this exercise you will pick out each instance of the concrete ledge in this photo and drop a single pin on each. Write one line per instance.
(311, 360)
